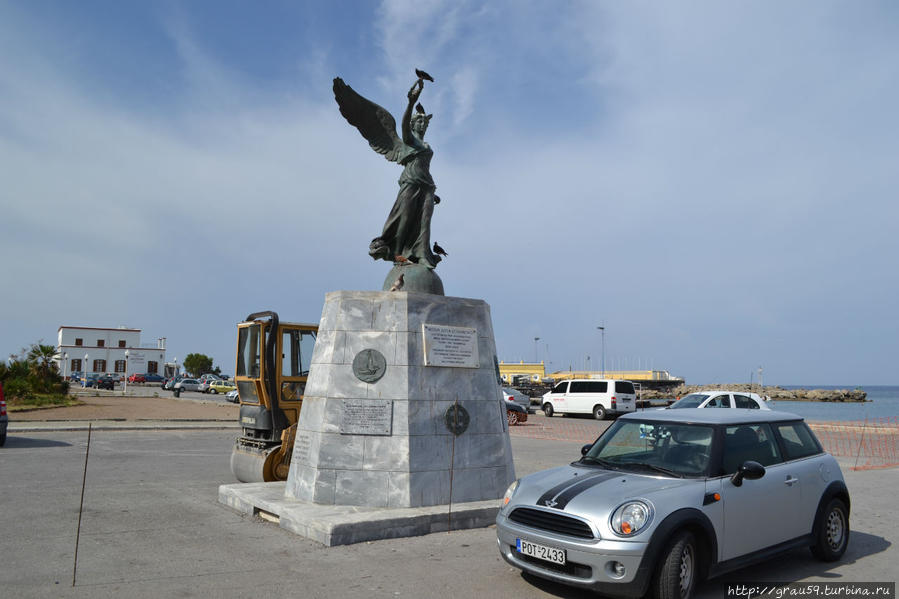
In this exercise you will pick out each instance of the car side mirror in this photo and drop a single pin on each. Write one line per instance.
(586, 448)
(749, 470)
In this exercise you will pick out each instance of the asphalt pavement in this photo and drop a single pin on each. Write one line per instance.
(152, 527)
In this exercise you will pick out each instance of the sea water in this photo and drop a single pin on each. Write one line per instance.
(883, 402)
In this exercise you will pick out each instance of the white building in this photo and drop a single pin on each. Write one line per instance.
(115, 351)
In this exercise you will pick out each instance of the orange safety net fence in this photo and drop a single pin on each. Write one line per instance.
(873, 442)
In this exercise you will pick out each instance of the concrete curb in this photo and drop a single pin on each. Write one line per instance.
(40, 426)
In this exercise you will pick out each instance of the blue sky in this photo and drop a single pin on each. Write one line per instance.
(714, 182)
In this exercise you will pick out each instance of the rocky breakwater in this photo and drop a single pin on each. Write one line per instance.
(773, 393)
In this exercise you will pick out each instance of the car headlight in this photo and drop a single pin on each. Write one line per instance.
(630, 518)
(508, 495)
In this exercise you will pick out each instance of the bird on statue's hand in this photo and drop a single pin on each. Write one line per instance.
(439, 250)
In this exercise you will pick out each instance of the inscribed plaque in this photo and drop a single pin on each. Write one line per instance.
(366, 417)
(456, 347)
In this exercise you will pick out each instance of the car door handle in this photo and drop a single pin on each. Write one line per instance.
(790, 480)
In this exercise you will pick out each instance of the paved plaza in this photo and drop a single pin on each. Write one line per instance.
(152, 527)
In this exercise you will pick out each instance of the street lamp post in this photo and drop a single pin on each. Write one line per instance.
(84, 373)
(127, 353)
(602, 332)
(65, 365)
(175, 360)
(536, 339)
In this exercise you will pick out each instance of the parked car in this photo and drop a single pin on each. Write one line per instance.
(515, 413)
(209, 377)
(667, 497)
(107, 381)
(221, 387)
(188, 385)
(75, 377)
(90, 379)
(232, 396)
(152, 377)
(137, 378)
(4, 417)
(170, 382)
(517, 397)
(600, 397)
(721, 399)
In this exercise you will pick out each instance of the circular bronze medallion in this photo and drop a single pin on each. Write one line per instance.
(369, 365)
(456, 419)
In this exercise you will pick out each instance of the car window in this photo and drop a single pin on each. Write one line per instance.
(561, 387)
(624, 387)
(798, 440)
(749, 442)
(745, 402)
(589, 386)
(689, 401)
(682, 448)
(719, 401)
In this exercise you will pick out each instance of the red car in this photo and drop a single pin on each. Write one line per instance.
(137, 378)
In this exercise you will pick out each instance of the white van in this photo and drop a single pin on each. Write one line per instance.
(599, 397)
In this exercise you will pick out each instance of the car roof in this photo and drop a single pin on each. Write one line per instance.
(606, 380)
(711, 416)
(710, 391)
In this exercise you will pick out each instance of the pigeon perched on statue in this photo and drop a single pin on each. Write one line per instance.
(398, 284)
(439, 250)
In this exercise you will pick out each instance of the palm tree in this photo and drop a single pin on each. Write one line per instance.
(43, 356)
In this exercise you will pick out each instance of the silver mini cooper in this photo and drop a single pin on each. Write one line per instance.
(666, 498)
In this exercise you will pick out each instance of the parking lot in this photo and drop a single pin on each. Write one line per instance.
(152, 527)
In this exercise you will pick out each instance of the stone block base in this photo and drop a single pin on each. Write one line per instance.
(344, 525)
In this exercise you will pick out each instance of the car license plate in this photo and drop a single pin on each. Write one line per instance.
(550, 554)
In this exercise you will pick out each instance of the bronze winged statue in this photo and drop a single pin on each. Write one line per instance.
(406, 236)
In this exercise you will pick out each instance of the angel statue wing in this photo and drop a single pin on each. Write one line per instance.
(373, 122)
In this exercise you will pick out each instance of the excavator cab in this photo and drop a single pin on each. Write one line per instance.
(272, 368)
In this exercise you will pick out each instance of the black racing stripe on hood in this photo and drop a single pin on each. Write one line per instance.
(572, 492)
(551, 498)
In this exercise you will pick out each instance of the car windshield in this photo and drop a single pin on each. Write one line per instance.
(668, 448)
(690, 401)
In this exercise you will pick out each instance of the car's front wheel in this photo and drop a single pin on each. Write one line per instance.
(213, 391)
(676, 574)
(513, 417)
(833, 532)
(599, 412)
(548, 409)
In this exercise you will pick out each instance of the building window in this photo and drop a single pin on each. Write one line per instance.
(76, 364)
(99, 343)
(79, 341)
(99, 366)
(120, 365)
(152, 367)
(121, 343)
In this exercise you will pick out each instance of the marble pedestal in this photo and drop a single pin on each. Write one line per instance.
(378, 434)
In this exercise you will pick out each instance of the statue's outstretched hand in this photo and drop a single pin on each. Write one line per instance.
(415, 91)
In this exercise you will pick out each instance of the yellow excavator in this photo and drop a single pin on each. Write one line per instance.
(272, 367)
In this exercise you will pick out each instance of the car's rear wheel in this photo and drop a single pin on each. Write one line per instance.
(599, 412)
(675, 576)
(513, 417)
(548, 409)
(213, 391)
(833, 532)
